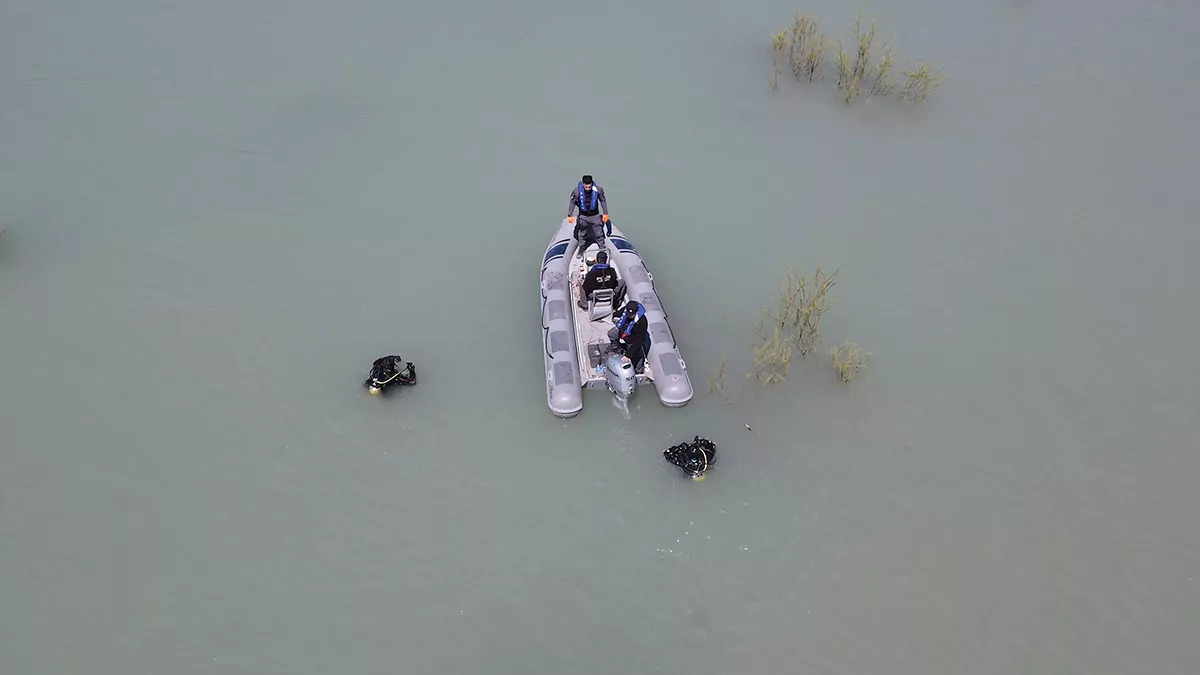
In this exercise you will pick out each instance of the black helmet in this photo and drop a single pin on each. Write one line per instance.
(602, 257)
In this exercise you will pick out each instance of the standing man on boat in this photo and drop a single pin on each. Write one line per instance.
(590, 200)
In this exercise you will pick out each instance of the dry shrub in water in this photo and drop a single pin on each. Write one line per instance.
(881, 83)
(778, 46)
(794, 325)
(865, 67)
(844, 71)
(801, 303)
(802, 47)
(807, 48)
(863, 40)
(848, 360)
(921, 82)
(773, 357)
(716, 382)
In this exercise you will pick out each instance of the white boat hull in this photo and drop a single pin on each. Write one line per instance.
(567, 330)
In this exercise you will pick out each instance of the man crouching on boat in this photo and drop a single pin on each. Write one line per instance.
(630, 334)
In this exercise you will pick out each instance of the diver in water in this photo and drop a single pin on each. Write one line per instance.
(693, 458)
(389, 370)
(630, 334)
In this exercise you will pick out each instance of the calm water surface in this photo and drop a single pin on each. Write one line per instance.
(219, 213)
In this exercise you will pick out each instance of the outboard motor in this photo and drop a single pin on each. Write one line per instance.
(618, 375)
(389, 370)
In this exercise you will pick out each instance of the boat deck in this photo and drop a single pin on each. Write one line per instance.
(589, 332)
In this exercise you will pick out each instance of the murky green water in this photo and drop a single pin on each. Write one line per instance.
(218, 214)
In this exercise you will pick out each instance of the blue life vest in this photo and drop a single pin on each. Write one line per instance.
(583, 196)
(599, 266)
(625, 327)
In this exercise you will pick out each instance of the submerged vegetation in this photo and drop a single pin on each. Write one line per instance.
(804, 48)
(848, 360)
(716, 382)
(793, 327)
(865, 67)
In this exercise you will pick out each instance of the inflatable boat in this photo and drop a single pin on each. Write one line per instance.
(576, 342)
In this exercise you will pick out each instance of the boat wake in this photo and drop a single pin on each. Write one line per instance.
(622, 404)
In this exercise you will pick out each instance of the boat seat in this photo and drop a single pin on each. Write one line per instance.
(600, 303)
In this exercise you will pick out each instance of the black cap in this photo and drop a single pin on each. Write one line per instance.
(602, 257)
(587, 179)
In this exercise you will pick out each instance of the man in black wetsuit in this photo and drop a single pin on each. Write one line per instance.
(591, 201)
(631, 335)
(388, 370)
(600, 276)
